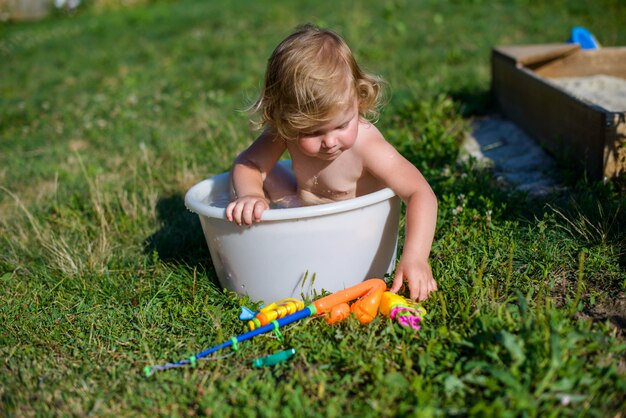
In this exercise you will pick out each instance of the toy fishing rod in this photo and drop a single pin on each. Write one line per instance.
(234, 341)
(335, 307)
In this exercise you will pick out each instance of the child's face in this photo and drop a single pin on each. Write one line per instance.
(328, 141)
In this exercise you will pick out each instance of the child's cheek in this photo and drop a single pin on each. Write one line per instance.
(351, 136)
(308, 146)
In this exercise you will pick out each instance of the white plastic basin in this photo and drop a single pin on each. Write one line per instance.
(342, 243)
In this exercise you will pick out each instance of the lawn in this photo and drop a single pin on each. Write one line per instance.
(109, 114)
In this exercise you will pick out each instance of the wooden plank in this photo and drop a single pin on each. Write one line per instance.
(528, 55)
(615, 145)
(607, 61)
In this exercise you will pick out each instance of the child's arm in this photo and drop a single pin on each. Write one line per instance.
(247, 175)
(384, 162)
(421, 218)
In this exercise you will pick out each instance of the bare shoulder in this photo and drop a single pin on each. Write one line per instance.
(384, 162)
(371, 142)
(369, 132)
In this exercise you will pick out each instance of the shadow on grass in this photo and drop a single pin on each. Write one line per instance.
(180, 239)
(474, 102)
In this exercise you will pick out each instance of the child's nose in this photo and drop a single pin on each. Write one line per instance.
(329, 141)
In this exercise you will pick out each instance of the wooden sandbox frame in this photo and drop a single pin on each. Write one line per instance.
(573, 129)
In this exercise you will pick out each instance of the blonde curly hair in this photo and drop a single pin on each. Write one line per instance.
(310, 76)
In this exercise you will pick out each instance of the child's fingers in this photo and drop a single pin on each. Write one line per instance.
(248, 213)
(415, 290)
(420, 290)
(229, 211)
(259, 207)
(420, 294)
(433, 285)
(233, 212)
(397, 282)
(237, 214)
(252, 211)
(239, 210)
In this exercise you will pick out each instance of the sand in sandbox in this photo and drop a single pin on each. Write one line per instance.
(603, 90)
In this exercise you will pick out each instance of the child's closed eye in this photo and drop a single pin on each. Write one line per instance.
(311, 134)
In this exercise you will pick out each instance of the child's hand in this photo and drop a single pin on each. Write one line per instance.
(246, 209)
(418, 276)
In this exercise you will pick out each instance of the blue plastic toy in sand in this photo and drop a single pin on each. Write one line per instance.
(584, 38)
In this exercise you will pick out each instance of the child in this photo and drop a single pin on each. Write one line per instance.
(314, 104)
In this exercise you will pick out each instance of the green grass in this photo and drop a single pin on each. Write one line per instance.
(108, 117)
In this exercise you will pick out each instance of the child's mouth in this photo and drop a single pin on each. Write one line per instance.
(331, 154)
